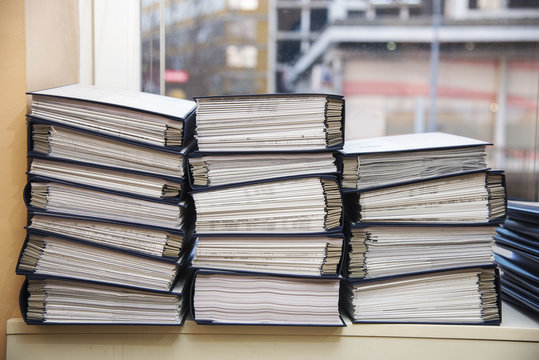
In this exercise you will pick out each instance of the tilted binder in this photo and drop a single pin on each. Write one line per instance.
(80, 147)
(46, 300)
(141, 118)
(374, 162)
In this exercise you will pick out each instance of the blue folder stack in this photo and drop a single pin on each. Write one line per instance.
(517, 254)
(110, 218)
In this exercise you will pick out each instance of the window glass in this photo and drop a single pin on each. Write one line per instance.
(464, 67)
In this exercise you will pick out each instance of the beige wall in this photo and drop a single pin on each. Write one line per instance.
(44, 54)
(12, 153)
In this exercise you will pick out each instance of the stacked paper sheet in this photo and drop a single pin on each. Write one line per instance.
(222, 169)
(467, 296)
(302, 205)
(251, 299)
(299, 255)
(52, 301)
(375, 162)
(296, 122)
(379, 251)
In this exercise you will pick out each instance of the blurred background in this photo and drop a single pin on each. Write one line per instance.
(467, 67)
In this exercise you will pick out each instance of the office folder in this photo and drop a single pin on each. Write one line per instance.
(374, 162)
(381, 251)
(315, 255)
(236, 168)
(232, 298)
(525, 211)
(460, 296)
(140, 117)
(60, 142)
(295, 205)
(55, 257)
(54, 301)
(475, 198)
(270, 122)
(62, 199)
(99, 178)
(165, 244)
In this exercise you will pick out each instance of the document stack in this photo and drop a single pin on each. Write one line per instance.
(517, 254)
(269, 231)
(422, 210)
(108, 239)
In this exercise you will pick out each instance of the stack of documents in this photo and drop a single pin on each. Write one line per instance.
(379, 251)
(53, 301)
(223, 169)
(375, 162)
(109, 202)
(228, 298)
(268, 203)
(300, 255)
(281, 122)
(421, 207)
(300, 205)
(517, 254)
(465, 296)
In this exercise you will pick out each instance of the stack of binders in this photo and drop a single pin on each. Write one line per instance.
(108, 239)
(517, 254)
(422, 210)
(269, 230)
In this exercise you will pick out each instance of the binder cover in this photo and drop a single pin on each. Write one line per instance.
(172, 108)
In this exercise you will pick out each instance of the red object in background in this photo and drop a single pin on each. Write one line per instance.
(176, 76)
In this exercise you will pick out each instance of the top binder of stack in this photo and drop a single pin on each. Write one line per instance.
(270, 122)
(140, 118)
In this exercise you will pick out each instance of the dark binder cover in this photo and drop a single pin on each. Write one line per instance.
(205, 322)
(182, 290)
(198, 153)
(181, 268)
(502, 240)
(523, 227)
(187, 205)
(408, 142)
(352, 207)
(521, 259)
(519, 291)
(185, 113)
(506, 235)
(337, 275)
(329, 96)
(346, 305)
(34, 154)
(525, 211)
(335, 230)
